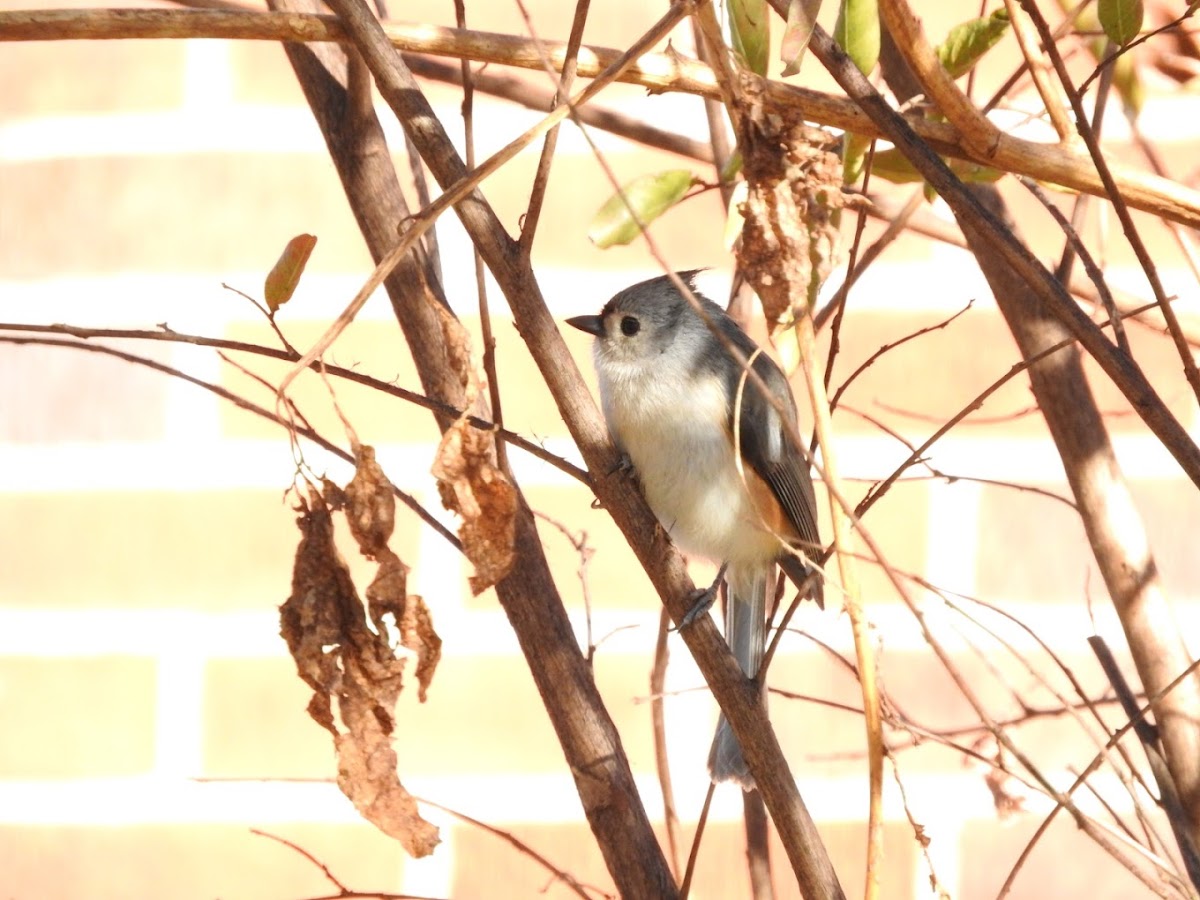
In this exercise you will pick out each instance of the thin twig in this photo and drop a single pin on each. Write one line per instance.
(1018, 367)
(874, 357)
(521, 90)
(896, 225)
(485, 316)
(1035, 62)
(952, 477)
(1089, 263)
(662, 761)
(443, 409)
(864, 650)
(267, 314)
(1109, 61)
(923, 840)
(657, 71)
(580, 544)
(718, 128)
(561, 875)
(242, 403)
(1120, 207)
(1147, 735)
(853, 271)
(686, 885)
(1079, 780)
(541, 178)
(330, 877)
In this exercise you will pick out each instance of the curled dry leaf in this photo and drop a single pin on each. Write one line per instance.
(790, 233)
(346, 654)
(370, 503)
(469, 481)
(1007, 792)
(473, 486)
(371, 513)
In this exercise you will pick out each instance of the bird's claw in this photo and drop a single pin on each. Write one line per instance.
(702, 601)
(624, 466)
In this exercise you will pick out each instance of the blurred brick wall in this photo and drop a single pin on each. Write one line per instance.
(152, 716)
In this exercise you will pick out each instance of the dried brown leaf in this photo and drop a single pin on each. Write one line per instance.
(311, 618)
(370, 504)
(473, 486)
(791, 210)
(418, 636)
(469, 481)
(345, 652)
(367, 775)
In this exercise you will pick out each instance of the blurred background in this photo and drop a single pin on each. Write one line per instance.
(153, 718)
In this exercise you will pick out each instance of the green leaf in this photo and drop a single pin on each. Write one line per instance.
(1129, 85)
(285, 274)
(732, 167)
(1126, 79)
(854, 152)
(966, 43)
(649, 196)
(801, 20)
(750, 33)
(892, 165)
(1120, 19)
(857, 32)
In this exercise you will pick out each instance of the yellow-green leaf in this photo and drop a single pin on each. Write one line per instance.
(857, 32)
(1126, 79)
(1120, 19)
(801, 20)
(648, 196)
(854, 152)
(285, 274)
(1128, 83)
(967, 42)
(732, 167)
(892, 165)
(750, 33)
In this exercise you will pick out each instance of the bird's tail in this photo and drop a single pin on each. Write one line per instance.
(746, 634)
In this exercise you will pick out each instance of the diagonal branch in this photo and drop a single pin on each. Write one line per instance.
(527, 594)
(1106, 508)
(981, 227)
(737, 695)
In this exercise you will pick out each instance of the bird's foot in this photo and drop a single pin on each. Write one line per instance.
(624, 466)
(702, 600)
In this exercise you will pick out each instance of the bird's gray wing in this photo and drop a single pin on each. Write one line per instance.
(764, 440)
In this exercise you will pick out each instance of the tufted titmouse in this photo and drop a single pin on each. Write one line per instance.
(669, 390)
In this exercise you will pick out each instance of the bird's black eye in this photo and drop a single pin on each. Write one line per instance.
(630, 326)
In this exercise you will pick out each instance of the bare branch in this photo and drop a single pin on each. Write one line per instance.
(240, 402)
(657, 71)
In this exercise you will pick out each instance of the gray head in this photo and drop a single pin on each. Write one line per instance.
(645, 321)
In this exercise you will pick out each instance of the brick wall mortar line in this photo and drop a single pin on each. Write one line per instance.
(179, 710)
(65, 633)
(227, 464)
(498, 797)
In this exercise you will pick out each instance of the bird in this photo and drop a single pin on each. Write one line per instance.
(714, 457)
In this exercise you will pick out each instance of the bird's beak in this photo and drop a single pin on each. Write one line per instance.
(590, 324)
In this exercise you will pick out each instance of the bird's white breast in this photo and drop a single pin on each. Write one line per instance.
(681, 449)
